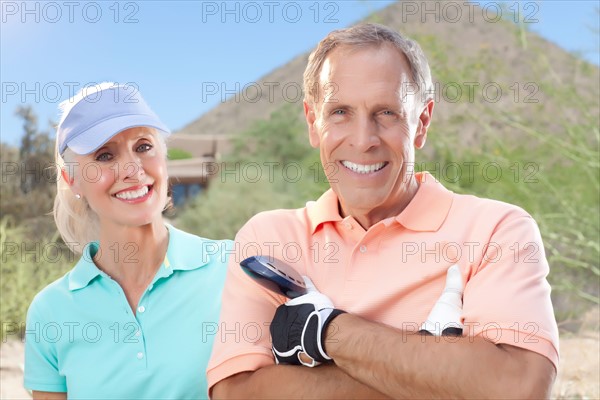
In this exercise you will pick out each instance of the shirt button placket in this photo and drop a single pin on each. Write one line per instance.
(138, 334)
(141, 354)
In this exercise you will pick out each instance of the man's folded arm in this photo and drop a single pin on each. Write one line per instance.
(406, 365)
(291, 381)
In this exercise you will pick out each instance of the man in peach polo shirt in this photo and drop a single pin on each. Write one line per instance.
(378, 246)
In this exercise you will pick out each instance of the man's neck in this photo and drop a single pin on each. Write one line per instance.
(370, 217)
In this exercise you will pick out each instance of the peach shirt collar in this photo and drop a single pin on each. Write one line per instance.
(426, 212)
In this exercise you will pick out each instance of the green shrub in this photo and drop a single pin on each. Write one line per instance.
(27, 267)
(178, 154)
(272, 166)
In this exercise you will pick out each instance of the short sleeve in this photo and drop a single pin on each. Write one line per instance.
(507, 300)
(41, 360)
(243, 341)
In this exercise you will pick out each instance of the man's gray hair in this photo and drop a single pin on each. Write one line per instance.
(362, 36)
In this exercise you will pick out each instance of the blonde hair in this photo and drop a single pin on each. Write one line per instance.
(76, 222)
(362, 36)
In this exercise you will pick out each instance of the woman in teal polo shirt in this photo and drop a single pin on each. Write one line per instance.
(136, 317)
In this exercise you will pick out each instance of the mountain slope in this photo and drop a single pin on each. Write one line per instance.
(485, 71)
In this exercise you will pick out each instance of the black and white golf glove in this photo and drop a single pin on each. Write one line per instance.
(299, 326)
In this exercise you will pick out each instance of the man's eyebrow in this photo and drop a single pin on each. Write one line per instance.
(336, 105)
(390, 105)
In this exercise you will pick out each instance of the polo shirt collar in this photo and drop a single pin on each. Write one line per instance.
(184, 252)
(429, 208)
(425, 212)
(325, 209)
(85, 270)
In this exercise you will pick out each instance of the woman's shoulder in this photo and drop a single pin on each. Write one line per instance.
(54, 296)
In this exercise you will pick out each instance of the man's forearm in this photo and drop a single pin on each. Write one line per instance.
(404, 365)
(289, 382)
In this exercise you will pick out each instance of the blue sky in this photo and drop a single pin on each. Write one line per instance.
(171, 50)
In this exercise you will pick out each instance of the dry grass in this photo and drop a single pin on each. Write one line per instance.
(579, 373)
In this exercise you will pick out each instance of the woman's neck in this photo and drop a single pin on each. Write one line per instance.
(132, 255)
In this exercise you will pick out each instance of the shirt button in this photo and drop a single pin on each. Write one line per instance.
(140, 355)
(141, 309)
(348, 225)
(138, 333)
(363, 249)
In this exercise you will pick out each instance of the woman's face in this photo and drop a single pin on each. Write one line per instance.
(125, 180)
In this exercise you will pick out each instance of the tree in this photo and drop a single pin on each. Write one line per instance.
(28, 174)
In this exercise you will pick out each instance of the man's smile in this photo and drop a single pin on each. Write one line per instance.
(364, 168)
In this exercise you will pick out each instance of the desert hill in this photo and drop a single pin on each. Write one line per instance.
(486, 69)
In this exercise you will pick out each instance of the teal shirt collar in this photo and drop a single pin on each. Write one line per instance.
(184, 252)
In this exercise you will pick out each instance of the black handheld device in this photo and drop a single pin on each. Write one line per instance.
(274, 275)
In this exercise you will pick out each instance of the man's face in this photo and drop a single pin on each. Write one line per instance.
(366, 128)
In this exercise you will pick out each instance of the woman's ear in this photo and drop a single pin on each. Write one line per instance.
(68, 177)
(70, 180)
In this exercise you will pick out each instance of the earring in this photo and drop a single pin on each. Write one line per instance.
(78, 196)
